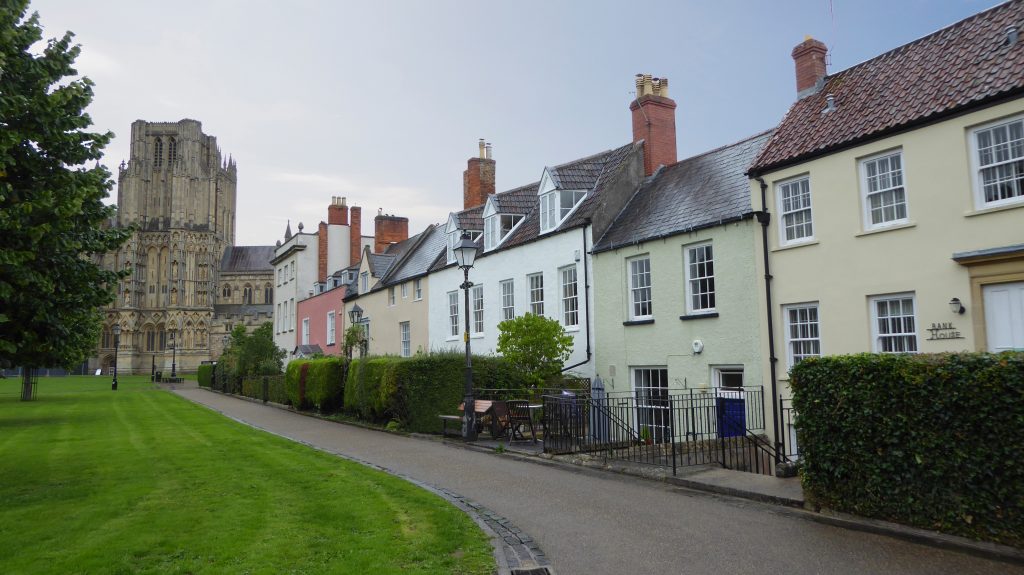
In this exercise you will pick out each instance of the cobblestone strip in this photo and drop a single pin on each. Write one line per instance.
(515, 552)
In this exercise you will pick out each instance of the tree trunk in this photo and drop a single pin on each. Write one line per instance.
(26, 384)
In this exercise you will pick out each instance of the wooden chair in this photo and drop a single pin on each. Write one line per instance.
(500, 422)
(519, 417)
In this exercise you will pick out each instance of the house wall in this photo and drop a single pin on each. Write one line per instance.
(546, 255)
(384, 319)
(731, 339)
(305, 264)
(316, 309)
(845, 264)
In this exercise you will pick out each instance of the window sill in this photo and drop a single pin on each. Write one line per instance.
(639, 322)
(572, 329)
(878, 230)
(795, 245)
(983, 211)
(688, 317)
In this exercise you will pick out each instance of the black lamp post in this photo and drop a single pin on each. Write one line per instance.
(174, 357)
(465, 255)
(152, 369)
(355, 316)
(117, 346)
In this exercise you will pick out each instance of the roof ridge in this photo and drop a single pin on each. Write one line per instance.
(723, 147)
(420, 238)
(922, 39)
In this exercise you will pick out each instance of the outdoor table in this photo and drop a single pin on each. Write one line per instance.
(482, 407)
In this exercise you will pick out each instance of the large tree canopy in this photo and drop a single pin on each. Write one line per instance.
(52, 214)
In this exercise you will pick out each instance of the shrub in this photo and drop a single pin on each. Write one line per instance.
(253, 387)
(294, 385)
(204, 374)
(536, 345)
(363, 395)
(325, 383)
(935, 441)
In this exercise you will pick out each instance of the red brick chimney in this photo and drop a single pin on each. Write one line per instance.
(337, 212)
(388, 230)
(355, 235)
(809, 57)
(478, 179)
(654, 122)
(321, 253)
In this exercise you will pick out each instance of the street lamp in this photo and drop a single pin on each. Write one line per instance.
(465, 255)
(174, 358)
(355, 316)
(117, 345)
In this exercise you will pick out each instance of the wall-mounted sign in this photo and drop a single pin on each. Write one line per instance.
(945, 330)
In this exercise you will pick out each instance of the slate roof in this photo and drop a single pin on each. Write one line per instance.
(379, 263)
(471, 219)
(242, 309)
(961, 66)
(517, 201)
(419, 259)
(697, 192)
(247, 259)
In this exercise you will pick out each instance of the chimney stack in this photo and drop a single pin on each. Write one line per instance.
(478, 179)
(654, 122)
(321, 252)
(809, 57)
(355, 235)
(337, 212)
(387, 230)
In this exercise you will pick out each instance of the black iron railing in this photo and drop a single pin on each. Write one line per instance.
(788, 414)
(691, 427)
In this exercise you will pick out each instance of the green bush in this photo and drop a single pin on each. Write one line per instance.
(253, 387)
(935, 441)
(204, 373)
(363, 389)
(292, 376)
(325, 383)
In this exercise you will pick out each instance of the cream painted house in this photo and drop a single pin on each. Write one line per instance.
(895, 190)
(674, 306)
(391, 290)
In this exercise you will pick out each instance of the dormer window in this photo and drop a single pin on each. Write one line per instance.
(453, 239)
(497, 228)
(556, 204)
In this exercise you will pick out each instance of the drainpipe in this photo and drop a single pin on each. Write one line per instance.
(764, 218)
(586, 299)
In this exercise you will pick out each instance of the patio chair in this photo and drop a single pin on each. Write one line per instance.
(499, 419)
(519, 417)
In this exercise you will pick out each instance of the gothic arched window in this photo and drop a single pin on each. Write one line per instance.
(268, 294)
(172, 151)
(158, 153)
(227, 290)
(247, 295)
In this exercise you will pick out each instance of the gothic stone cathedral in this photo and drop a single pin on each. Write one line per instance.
(190, 285)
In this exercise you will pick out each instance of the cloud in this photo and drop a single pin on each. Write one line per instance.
(95, 64)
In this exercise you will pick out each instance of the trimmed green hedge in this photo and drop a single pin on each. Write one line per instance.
(935, 441)
(414, 391)
(323, 387)
(203, 374)
(253, 387)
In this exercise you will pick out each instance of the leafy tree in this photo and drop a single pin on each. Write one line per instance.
(52, 214)
(253, 354)
(534, 344)
(355, 337)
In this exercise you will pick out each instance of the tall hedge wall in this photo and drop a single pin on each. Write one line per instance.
(253, 387)
(203, 374)
(935, 441)
(416, 390)
(323, 387)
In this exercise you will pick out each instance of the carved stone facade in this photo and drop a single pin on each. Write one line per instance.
(180, 194)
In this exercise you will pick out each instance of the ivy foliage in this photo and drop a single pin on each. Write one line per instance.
(52, 216)
(934, 441)
(536, 345)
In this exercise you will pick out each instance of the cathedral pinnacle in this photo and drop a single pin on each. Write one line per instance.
(288, 231)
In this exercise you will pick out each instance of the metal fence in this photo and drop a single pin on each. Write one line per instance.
(689, 427)
(790, 449)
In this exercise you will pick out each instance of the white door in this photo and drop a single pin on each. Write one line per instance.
(1004, 316)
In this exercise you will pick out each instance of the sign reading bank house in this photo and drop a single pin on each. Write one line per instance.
(189, 284)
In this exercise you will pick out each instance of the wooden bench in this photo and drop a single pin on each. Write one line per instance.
(448, 418)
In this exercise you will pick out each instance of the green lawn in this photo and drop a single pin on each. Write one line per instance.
(142, 481)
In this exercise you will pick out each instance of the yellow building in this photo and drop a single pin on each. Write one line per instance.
(895, 196)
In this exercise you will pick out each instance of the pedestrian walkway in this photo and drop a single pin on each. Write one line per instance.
(593, 522)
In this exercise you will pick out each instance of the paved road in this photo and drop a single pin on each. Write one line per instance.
(591, 524)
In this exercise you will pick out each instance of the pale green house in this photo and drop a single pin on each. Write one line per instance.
(676, 299)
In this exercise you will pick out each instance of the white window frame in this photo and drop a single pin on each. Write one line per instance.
(453, 314)
(331, 328)
(910, 338)
(901, 187)
(783, 213)
(405, 290)
(406, 336)
(476, 301)
(508, 299)
(417, 289)
(650, 387)
(803, 335)
(704, 284)
(570, 299)
(391, 296)
(717, 371)
(548, 211)
(977, 168)
(535, 283)
(364, 282)
(291, 314)
(305, 331)
(636, 289)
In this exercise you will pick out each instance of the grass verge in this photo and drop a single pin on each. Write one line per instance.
(141, 481)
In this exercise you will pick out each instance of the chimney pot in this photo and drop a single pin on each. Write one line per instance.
(654, 122)
(809, 57)
(478, 179)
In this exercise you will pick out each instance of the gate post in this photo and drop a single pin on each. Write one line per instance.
(266, 389)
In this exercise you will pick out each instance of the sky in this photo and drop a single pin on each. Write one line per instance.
(383, 101)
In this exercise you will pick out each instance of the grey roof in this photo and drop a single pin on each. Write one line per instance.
(517, 201)
(379, 263)
(307, 350)
(242, 309)
(471, 219)
(419, 259)
(693, 193)
(247, 259)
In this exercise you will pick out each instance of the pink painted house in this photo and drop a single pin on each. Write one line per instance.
(321, 319)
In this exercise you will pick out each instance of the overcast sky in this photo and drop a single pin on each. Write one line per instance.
(383, 101)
